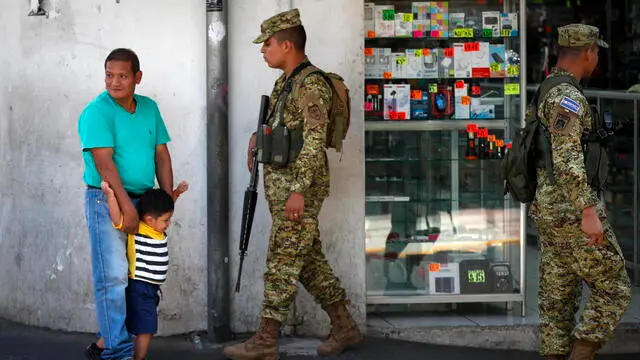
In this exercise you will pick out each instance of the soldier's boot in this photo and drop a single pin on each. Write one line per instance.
(584, 350)
(263, 345)
(344, 331)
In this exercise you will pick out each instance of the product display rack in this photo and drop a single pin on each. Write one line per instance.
(442, 98)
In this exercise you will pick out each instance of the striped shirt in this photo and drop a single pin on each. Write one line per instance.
(148, 255)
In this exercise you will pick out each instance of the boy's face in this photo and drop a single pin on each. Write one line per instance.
(160, 223)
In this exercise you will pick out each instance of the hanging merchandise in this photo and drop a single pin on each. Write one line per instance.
(471, 153)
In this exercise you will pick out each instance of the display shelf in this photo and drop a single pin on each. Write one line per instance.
(442, 95)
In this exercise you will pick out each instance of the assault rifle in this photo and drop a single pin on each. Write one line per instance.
(251, 193)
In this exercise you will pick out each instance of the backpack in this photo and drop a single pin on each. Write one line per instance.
(531, 149)
(340, 112)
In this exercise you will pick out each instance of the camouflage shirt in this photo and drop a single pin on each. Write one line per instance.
(306, 109)
(565, 111)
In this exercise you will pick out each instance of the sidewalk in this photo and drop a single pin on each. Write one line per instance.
(19, 342)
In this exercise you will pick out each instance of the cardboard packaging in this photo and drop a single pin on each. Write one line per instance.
(397, 101)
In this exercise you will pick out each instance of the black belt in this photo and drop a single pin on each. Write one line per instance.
(131, 195)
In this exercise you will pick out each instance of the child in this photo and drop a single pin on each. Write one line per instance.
(147, 254)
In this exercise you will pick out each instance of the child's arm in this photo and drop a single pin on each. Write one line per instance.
(182, 187)
(114, 209)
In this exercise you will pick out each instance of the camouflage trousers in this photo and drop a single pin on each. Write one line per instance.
(566, 261)
(295, 254)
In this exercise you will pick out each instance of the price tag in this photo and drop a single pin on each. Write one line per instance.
(368, 52)
(407, 17)
(393, 115)
(476, 90)
(433, 88)
(472, 46)
(512, 89)
(487, 33)
(434, 267)
(505, 33)
(492, 138)
(426, 52)
(416, 94)
(495, 67)
(472, 128)
(462, 33)
(373, 89)
(483, 132)
(448, 52)
(417, 53)
(371, 34)
(465, 100)
(500, 143)
(459, 84)
(402, 60)
(388, 15)
(368, 106)
(418, 34)
(513, 70)
(402, 115)
(387, 75)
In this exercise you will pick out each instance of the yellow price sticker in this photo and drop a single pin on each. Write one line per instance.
(495, 67)
(433, 88)
(402, 60)
(513, 70)
(512, 89)
(407, 17)
(418, 53)
(462, 33)
(505, 33)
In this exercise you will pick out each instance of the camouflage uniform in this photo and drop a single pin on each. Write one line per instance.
(295, 251)
(566, 259)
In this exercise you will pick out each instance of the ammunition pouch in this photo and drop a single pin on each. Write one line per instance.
(279, 146)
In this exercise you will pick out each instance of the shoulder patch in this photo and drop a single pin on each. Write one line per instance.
(570, 105)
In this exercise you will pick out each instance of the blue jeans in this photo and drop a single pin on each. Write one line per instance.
(109, 266)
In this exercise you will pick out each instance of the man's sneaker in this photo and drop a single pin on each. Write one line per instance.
(93, 352)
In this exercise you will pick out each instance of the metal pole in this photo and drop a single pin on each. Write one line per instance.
(218, 296)
(523, 114)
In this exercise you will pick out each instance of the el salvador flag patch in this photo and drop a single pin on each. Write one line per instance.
(570, 105)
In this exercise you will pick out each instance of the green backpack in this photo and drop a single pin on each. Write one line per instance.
(531, 149)
(340, 112)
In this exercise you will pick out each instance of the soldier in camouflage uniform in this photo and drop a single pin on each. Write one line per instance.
(295, 194)
(577, 243)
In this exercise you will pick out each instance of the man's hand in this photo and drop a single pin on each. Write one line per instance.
(592, 227)
(294, 207)
(130, 220)
(252, 145)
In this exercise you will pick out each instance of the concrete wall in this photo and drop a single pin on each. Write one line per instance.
(334, 31)
(49, 69)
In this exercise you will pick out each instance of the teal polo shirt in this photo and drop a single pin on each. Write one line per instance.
(133, 137)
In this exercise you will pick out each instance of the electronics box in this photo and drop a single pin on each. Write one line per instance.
(480, 60)
(419, 105)
(444, 279)
(496, 60)
(385, 21)
(462, 61)
(369, 23)
(397, 101)
(509, 22)
(491, 21)
(399, 65)
(421, 19)
(445, 65)
(404, 24)
(439, 19)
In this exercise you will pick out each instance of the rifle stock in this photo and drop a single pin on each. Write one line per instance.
(250, 196)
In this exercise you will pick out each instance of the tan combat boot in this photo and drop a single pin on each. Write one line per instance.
(344, 331)
(263, 345)
(584, 350)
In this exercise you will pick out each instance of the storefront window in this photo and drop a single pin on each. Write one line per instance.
(442, 96)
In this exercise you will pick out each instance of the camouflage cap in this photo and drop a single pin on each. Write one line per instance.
(578, 35)
(282, 21)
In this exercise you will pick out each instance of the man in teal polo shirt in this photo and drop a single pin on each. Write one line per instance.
(123, 138)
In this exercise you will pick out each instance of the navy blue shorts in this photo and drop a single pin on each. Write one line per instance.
(142, 307)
